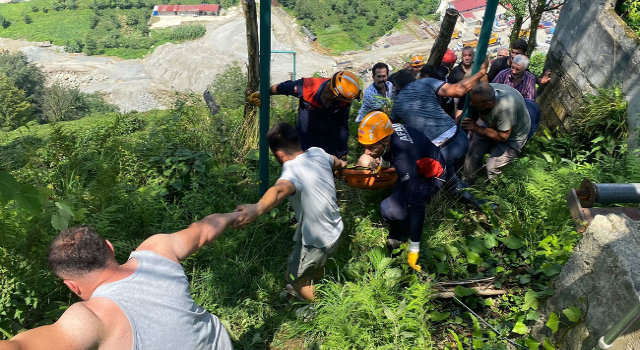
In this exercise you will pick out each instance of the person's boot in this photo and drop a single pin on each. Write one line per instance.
(393, 244)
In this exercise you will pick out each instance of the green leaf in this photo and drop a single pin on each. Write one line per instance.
(437, 316)
(533, 315)
(514, 243)
(553, 322)
(520, 328)
(453, 251)
(64, 210)
(253, 155)
(8, 187)
(29, 198)
(477, 330)
(387, 311)
(547, 344)
(474, 258)
(59, 223)
(573, 313)
(401, 308)
(530, 300)
(463, 292)
(532, 343)
(490, 241)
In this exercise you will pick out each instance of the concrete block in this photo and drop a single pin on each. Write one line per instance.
(604, 271)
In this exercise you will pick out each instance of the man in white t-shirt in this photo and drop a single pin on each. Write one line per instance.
(307, 180)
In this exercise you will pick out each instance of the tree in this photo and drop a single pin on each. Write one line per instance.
(63, 103)
(536, 9)
(229, 87)
(27, 76)
(26, 18)
(518, 8)
(15, 108)
(90, 46)
(4, 22)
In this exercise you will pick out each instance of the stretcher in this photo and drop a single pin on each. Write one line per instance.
(367, 179)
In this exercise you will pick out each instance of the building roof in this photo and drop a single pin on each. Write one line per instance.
(467, 5)
(469, 16)
(188, 8)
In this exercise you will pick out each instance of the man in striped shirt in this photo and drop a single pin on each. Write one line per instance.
(519, 78)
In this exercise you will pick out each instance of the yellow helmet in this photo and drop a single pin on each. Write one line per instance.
(345, 85)
(374, 127)
(417, 61)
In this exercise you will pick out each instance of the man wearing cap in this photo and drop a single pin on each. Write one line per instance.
(417, 105)
(379, 93)
(323, 109)
(421, 174)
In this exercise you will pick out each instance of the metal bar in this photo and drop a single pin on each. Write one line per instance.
(483, 44)
(294, 59)
(265, 70)
(607, 340)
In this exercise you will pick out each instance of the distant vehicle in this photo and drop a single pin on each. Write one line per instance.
(196, 15)
(344, 65)
(524, 33)
(387, 46)
(457, 33)
(493, 40)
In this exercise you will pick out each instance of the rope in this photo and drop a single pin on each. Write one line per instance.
(499, 334)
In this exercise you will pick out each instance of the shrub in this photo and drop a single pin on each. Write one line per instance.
(27, 76)
(229, 87)
(4, 22)
(26, 18)
(537, 62)
(188, 32)
(58, 5)
(45, 9)
(34, 8)
(61, 103)
(15, 108)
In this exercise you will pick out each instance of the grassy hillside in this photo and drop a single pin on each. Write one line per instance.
(94, 27)
(134, 175)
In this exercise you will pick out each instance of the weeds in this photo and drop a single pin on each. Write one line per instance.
(138, 174)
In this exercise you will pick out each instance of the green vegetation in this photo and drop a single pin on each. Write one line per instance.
(138, 174)
(110, 27)
(630, 12)
(343, 25)
(24, 97)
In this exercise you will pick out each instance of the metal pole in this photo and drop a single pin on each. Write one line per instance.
(265, 69)
(483, 44)
(607, 340)
(294, 59)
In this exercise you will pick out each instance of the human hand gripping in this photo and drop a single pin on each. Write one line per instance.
(247, 214)
(255, 98)
(470, 125)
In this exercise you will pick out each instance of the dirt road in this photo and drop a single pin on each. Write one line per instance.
(144, 84)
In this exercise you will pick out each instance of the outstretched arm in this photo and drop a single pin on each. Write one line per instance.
(461, 88)
(78, 328)
(179, 245)
(276, 194)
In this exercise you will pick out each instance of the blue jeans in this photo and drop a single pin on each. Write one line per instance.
(534, 114)
(455, 151)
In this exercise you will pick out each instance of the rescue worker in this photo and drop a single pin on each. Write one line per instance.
(416, 64)
(323, 109)
(421, 173)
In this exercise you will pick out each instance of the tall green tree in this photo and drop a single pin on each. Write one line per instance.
(517, 8)
(15, 108)
(537, 8)
(27, 76)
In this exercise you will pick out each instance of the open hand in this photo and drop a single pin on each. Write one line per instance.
(546, 77)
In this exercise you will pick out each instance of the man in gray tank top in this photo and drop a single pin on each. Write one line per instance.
(144, 303)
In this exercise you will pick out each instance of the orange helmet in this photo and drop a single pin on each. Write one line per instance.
(417, 61)
(374, 127)
(345, 85)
